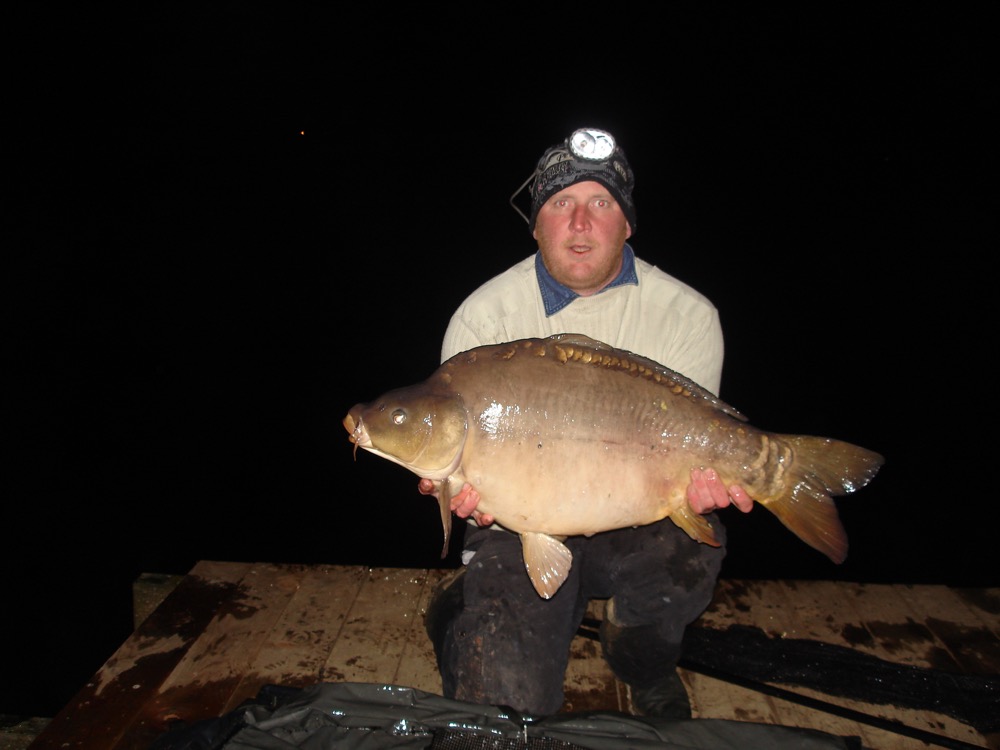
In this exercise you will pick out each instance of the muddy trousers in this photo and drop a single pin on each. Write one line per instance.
(498, 642)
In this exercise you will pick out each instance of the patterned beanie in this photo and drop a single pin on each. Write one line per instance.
(588, 154)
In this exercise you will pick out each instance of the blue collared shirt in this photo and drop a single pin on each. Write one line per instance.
(556, 296)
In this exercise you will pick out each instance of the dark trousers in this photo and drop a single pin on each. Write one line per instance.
(499, 643)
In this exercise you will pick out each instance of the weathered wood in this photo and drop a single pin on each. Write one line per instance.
(372, 641)
(228, 629)
(765, 605)
(960, 620)
(418, 665)
(294, 652)
(882, 621)
(114, 703)
(590, 684)
(148, 592)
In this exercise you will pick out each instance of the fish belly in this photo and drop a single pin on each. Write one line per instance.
(579, 458)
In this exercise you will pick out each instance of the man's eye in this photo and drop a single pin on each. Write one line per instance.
(602, 203)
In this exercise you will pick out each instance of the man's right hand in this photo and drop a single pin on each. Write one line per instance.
(462, 505)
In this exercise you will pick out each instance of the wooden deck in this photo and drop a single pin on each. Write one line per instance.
(229, 628)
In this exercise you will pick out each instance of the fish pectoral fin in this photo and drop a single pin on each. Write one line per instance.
(697, 526)
(547, 561)
(444, 506)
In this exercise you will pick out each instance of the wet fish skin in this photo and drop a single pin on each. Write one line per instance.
(566, 436)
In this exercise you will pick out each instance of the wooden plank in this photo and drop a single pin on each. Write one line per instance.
(418, 664)
(148, 592)
(823, 611)
(229, 629)
(967, 624)
(896, 633)
(296, 649)
(112, 701)
(758, 604)
(866, 618)
(590, 685)
(901, 635)
(767, 606)
(228, 646)
(373, 638)
(713, 698)
(204, 684)
(839, 614)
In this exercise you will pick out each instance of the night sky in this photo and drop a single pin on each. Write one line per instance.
(233, 223)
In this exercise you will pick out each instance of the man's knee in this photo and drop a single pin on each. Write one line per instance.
(496, 641)
(640, 654)
(488, 654)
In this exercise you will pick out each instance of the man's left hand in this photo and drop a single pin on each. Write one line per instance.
(706, 493)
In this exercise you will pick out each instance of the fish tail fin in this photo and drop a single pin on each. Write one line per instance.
(822, 468)
(698, 527)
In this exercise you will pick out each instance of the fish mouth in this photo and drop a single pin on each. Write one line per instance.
(357, 434)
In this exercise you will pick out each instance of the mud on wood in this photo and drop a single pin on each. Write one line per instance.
(226, 629)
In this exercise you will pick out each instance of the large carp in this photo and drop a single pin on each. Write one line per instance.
(566, 435)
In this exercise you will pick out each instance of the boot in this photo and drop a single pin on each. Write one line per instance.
(648, 665)
(665, 699)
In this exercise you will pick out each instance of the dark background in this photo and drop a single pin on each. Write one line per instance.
(233, 221)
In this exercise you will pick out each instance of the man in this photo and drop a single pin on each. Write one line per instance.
(497, 641)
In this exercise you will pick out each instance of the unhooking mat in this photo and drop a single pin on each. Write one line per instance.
(365, 716)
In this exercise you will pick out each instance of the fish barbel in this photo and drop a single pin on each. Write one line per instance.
(567, 436)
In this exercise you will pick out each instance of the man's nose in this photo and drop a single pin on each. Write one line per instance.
(579, 219)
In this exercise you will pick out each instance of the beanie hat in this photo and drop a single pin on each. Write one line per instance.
(588, 154)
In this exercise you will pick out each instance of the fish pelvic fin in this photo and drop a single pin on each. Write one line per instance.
(822, 468)
(697, 526)
(547, 561)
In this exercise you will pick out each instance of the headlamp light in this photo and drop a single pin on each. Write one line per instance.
(591, 144)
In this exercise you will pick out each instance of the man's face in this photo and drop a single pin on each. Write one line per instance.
(581, 231)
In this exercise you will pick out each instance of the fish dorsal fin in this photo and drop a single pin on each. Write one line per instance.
(547, 560)
(697, 526)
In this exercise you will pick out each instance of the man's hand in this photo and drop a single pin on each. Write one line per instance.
(707, 493)
(462, 505)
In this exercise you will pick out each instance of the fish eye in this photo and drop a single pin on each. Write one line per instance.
(398, 416)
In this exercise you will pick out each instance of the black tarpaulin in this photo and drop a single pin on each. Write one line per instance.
(363, 716)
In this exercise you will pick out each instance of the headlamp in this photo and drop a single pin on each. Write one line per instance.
(587, 150)
(591, 144)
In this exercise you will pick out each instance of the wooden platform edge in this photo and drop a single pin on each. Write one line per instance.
(257, 621)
